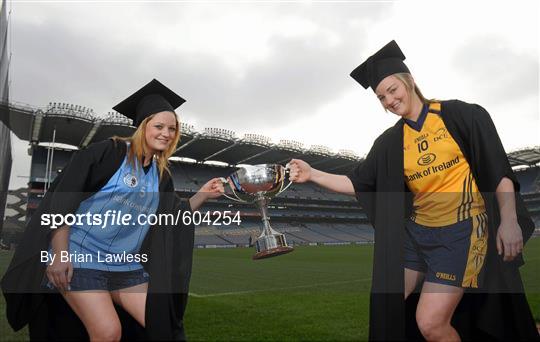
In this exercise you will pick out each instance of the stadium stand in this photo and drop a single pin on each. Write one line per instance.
(305, 213)
(529, 179)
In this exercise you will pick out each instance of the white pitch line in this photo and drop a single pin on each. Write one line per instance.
(275, 289)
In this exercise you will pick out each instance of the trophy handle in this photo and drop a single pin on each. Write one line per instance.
(237, 199)
(287, 171)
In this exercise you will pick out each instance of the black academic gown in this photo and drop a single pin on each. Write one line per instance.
(169, 249)
(498, 311)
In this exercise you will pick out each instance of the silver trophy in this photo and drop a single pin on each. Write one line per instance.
(259, 184)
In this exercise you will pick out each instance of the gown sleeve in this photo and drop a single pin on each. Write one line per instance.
(363, 175)
(184, 235)
(179, 241)
(490, 157)
(21, 282)
(363, 178)
(492, 165)
(71, 188)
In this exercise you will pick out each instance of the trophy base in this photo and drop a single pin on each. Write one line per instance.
(272, 252)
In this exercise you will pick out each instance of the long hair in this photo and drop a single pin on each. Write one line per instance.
(411, 87)
(138, 147)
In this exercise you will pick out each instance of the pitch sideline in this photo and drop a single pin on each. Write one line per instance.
(233, 293)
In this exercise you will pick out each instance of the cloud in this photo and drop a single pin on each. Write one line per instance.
(275, 68)
(496, 72)
(307, 53)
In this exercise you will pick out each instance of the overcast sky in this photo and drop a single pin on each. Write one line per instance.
(278, 69)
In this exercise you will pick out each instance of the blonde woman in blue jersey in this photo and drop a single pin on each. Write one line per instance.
(142, 268)
(427, 186)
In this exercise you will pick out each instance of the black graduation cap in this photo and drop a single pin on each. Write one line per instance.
(153, 98)
(387, 61)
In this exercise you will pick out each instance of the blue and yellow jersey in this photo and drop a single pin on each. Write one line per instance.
(437, 172)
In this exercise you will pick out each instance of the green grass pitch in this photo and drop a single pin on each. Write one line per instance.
(314, 293)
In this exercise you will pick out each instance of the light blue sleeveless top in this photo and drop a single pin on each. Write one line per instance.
(129, 191)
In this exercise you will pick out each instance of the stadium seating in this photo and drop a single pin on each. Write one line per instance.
(305, 213)
(529, 180)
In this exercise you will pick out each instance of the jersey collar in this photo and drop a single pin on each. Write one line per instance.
(417, 125)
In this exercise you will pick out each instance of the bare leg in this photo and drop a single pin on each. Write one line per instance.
(412, 279)
(133, 300)
(435, 310)
(96, 311)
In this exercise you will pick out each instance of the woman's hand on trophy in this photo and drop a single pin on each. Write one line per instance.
(300, 171)
(213, 188)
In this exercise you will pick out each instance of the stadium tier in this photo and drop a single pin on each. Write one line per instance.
(529, 180)
(305, 213)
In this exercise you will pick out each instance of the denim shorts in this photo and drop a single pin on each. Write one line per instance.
(450, 255)
(86, 279)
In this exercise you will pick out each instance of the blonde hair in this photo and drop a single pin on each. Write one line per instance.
(411, 86)
(138, 146)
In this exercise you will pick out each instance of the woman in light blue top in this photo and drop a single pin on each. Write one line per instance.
(105, 264)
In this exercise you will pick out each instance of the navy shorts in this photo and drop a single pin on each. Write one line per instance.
(86, 279)
(450, 255)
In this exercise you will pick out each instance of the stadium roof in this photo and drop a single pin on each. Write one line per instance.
(78, 126)
(527, 156)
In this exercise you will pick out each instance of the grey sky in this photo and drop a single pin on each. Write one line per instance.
(278, 69)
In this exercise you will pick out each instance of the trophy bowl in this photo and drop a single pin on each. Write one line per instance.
(259, 184)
